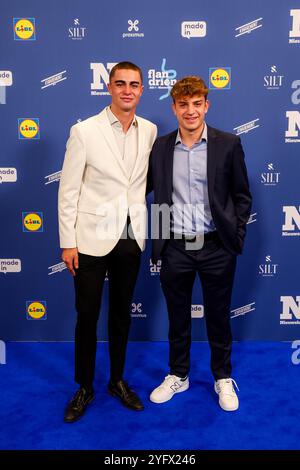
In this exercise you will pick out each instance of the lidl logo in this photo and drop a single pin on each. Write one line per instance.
(32, 221)
(29, 128)
(220, 78)
(24, 29)
(36, 310)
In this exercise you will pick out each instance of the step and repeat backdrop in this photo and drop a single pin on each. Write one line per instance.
(55, 58)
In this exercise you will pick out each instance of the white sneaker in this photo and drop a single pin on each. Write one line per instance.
(171, 385)
(228, 399)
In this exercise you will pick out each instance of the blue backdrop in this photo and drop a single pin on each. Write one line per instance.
(54, 60)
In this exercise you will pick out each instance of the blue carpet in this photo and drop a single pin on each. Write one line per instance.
(37, 382)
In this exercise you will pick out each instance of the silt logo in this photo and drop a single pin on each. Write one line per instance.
(220, 78)
(32, 221)
(29, 128)
(36, 310)
(24, 29)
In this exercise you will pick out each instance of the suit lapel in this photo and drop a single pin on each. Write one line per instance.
(168, 159)
(109, 137)
(211, 160)
(141, 146)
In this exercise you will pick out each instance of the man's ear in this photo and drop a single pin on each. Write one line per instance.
(174, 108)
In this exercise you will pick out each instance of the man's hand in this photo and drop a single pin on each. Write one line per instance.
(70, 257)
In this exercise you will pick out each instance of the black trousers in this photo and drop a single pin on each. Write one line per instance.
(215, 267)
(122, 265)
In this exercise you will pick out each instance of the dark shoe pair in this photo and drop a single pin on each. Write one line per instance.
(77, 406)
(127, 396)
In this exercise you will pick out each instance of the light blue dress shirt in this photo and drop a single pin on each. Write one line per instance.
(191, 213)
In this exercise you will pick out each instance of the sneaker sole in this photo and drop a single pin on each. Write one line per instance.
(182, 389)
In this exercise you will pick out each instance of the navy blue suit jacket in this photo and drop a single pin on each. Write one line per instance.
(228, 187)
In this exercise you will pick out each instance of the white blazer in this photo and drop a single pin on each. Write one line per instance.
(95, 194)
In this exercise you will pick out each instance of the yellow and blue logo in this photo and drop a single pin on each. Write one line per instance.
(29, 128)
(24, 29)
(32, 221)
(220, 78)
(36, 310)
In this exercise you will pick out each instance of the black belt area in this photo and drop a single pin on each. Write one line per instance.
(193, 238)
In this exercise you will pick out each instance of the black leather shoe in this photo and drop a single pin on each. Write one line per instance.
(127, 396)
(76, 407)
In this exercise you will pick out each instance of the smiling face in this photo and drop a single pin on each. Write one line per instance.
(125, 89)
(190, 112)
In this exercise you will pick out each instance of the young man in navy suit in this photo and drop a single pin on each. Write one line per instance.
(200, 174)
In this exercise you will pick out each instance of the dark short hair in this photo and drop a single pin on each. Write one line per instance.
(189, 86)
(126, 66)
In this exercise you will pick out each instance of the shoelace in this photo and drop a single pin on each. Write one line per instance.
(227, 386)
(79, 399)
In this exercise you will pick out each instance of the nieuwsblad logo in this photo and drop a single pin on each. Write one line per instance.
(163, 79)
(36, 310)
(193, 29)
(291, 226)
(268, 269)
(293, 116)
(100, 77)
(290, 314)
(24, 29)
(295, 31)
(5, 80)
(32, 222)
(270, 177)
(29, 128)
(8, 175)
(220, 78)
(273, 81)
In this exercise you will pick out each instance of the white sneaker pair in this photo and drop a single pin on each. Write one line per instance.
(172, 384)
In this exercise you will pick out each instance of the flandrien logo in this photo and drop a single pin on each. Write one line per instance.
(294, 33)
(36, 310)
(8, 175)
(155, 268)
(247, 127)
(193, 29)
(290, 313)
(53, 79)
(220, 78)
(5, 81)
(248, 27)
(133, 30)
(291, 226)
(32, 222)
(10, 266)
(54, 177)
(100, 78)
(270, 177)
(163, 79)
(29, 128)
(24, 29)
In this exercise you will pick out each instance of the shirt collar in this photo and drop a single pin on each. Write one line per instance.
(203, 136)
(113, 119)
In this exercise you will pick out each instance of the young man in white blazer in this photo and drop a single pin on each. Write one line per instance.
(102, 225)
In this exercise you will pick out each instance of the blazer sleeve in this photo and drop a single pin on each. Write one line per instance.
(240, 191)
(69, 188)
